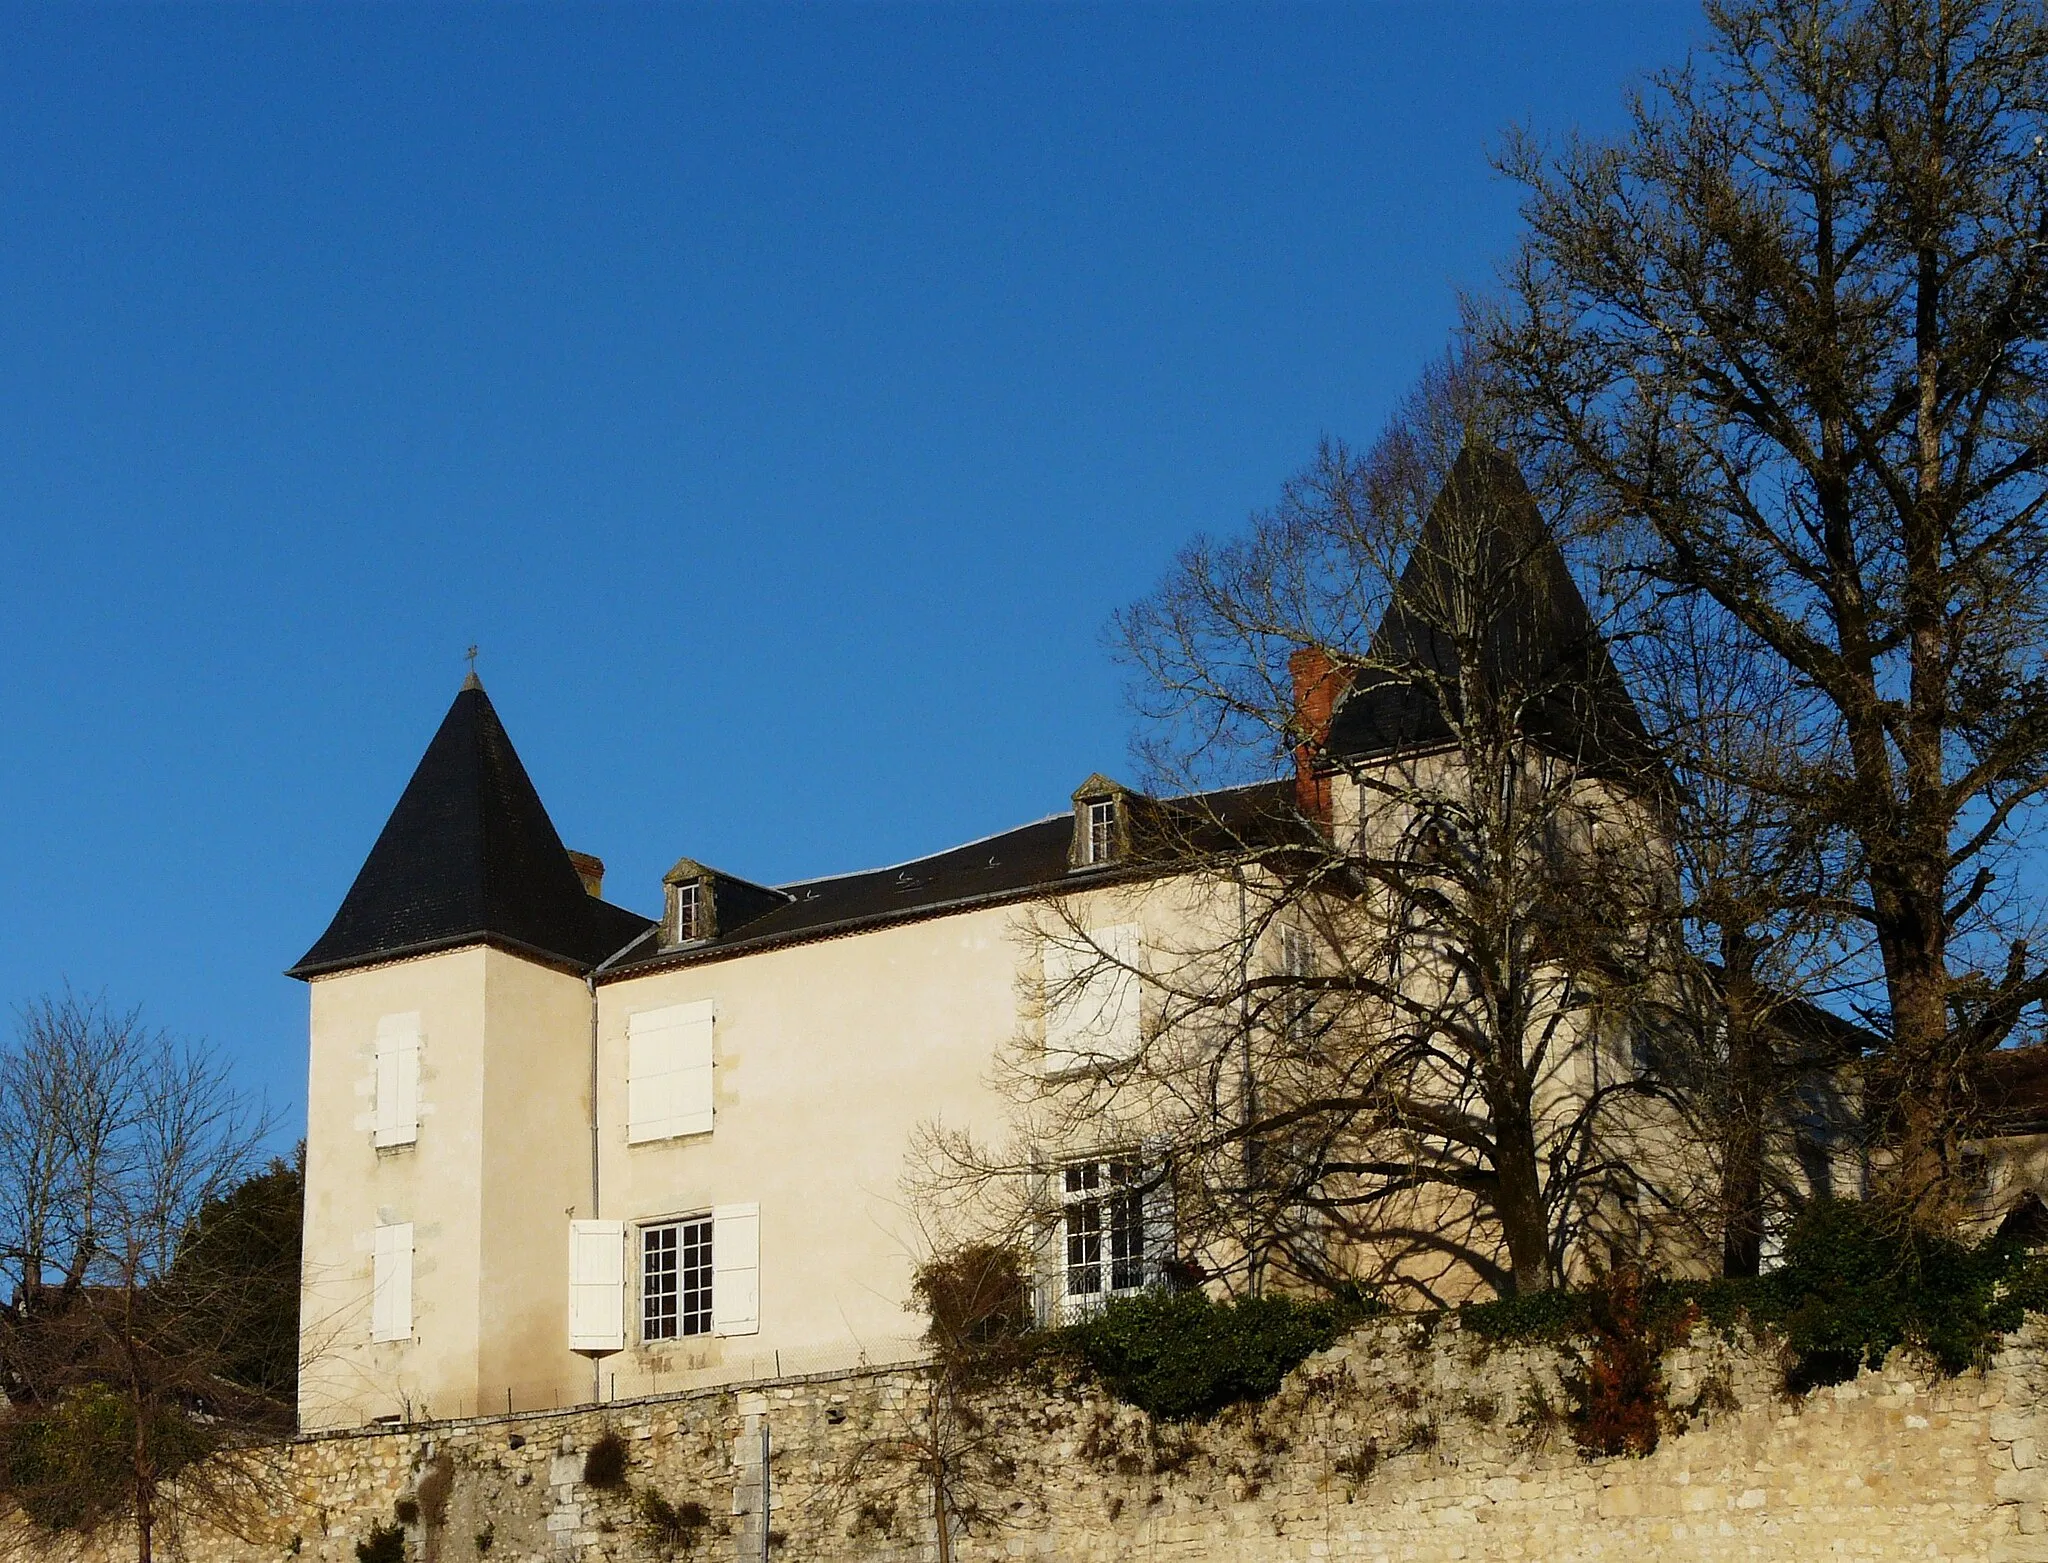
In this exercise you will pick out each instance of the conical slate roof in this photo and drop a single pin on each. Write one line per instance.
(469, 856)
(1485, 558)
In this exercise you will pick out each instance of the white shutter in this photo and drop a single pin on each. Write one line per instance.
(736, 1270)
(391, 1284)
(1092, 996)
(597, 1286)
(398, 1080)
(668, 1072)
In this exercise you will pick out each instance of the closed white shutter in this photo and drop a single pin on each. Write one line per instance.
(668, 1072)
(736, 1270)
(1092, 996)
(597, 1286)
(398, 1080)
(391, 1283)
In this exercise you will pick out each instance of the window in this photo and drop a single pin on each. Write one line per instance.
(1101, 823)
(675, 1279)
(1103, 1226)
(689, 910)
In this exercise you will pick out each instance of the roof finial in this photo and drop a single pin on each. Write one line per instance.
(472, 681)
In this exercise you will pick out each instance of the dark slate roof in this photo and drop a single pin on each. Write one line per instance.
(1539, 639)
(469, 856)
(2012, 1089)
(1013, 866)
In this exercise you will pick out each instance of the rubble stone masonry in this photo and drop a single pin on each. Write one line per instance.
(1405, 1443)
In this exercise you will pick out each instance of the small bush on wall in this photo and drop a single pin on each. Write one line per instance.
(1181, 1355)
(673, 1527)
(604, 1467)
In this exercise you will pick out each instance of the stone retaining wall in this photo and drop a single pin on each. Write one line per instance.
(1402, 1444)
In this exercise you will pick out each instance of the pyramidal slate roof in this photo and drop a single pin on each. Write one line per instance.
(469, 856)
(1485, 557)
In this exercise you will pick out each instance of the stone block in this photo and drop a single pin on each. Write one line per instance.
(2021, 1487)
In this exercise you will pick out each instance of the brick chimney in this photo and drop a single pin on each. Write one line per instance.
(590, 870)
(1318, 685)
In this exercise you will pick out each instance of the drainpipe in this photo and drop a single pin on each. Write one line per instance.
(590, 985)
(1248, 1085)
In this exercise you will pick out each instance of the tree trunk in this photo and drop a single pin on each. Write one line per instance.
(1524, 1229)
(1742, 1164)
(941, 1530)
(145, 1491)
(1923, 1086)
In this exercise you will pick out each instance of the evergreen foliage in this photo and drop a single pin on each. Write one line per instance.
(239, 1261)
(1856, 1282)
(1182, 1355)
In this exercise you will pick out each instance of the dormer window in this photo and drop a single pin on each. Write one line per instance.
(689, 921)
(1102, 823)
(1101, 826)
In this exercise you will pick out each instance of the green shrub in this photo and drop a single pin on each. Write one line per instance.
(1180, 1355)
(386, 1544)
(1555, 1315)
(1855, 1284)
(70, 1466)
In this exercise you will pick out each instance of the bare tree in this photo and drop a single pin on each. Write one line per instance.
(1386, 1006)
(120, 1338)
(1756, 937)
(974, 1299)
(1791, 330)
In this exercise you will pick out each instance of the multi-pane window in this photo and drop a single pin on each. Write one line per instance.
(1104, 1228)
(1101, 829)
(675, 1279)
(689, 910)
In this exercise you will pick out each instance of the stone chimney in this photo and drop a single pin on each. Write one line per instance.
(590, 870)
(1318, 685)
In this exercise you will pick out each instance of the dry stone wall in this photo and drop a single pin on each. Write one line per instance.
(1404, 1444)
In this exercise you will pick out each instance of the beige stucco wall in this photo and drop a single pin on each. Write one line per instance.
(827, 1058)
(501, 1151)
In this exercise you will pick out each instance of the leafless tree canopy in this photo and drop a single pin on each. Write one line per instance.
(118, 1336)
(1391, 1045)
(1790, 330)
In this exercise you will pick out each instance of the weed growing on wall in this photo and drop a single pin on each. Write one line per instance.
(604, 1466)
(673, 1527)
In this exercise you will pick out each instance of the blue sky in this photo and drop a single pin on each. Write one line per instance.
(781, 398)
